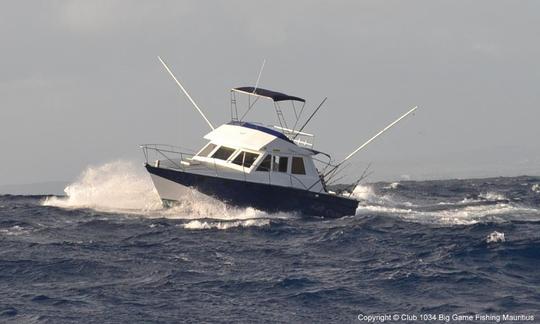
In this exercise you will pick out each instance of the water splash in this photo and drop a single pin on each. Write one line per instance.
(124, 187)
(115, 186)
(364, 192)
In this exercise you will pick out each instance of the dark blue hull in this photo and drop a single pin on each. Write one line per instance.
(262, 196)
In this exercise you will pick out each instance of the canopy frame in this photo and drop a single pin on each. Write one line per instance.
(276, 97)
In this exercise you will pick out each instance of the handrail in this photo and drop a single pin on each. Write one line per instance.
(162, 149)
(172, 148)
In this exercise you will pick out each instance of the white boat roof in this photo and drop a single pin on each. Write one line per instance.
(254, 137)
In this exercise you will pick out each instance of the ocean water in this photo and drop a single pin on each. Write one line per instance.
(109, 253)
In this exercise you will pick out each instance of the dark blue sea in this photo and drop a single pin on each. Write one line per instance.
(462, 247)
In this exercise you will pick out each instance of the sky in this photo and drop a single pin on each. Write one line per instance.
(80, 83)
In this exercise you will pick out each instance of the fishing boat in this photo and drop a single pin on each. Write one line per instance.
(248, 164)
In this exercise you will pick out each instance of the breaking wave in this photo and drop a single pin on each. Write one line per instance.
(487, 206)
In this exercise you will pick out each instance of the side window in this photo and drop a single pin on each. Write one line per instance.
(298, 165)
(283, 164)
(207, 150)
(245, 158)
(223, 153)
(249, 159)
(265, 164)
(239, 159)
(280, 163)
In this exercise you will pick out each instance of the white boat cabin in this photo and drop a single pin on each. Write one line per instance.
(249, 152)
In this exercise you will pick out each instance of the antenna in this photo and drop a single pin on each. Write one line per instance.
(371, 139)
(259, 76)
(186, 93)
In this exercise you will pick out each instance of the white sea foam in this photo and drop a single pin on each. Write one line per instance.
(495, 237)
(536, 187)
(492, 196)
(455, 216)
(393, 185)
(14, 231)
(198, 224)
(124, 187)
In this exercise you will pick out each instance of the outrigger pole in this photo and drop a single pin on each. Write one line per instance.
(186, 93)
(370, 140)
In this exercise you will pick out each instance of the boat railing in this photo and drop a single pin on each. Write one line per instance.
(176, 157)
(169, 156)
(299, 138)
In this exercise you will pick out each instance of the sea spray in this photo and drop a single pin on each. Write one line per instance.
(118, 185)
(363, 192)
(124, 187)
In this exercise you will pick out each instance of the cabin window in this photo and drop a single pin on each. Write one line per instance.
(298, 165)
(265, 164)
(249, 159)
(280, 163)
(239, 159)
(223, 153)
(245, 158)
(207, 149)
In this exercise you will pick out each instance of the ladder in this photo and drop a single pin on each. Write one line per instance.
(234, 108)
(281, 117)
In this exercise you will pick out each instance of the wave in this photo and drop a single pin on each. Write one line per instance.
(393, 185)
(463, 216)
(492, 196)
(487, 206)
